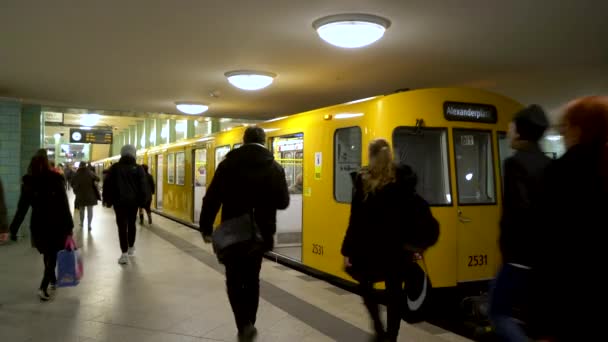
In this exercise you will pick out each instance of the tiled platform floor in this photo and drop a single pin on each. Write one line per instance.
(172, 291)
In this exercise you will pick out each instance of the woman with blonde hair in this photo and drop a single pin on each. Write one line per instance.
(373, 247)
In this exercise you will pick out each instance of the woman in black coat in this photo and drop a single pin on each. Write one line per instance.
(374, 245)
(51, 219)
(84, 183)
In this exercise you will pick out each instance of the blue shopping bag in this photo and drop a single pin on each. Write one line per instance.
(69, 265)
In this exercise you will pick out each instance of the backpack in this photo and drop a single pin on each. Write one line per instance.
(423, 231)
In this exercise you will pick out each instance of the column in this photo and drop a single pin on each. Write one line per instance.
(172, 133)
(159, 131)
(149, 124)
(190, 129)
(10, 152)
(215, 126)
(141, 133)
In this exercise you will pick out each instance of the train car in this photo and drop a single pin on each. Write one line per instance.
(454, 139)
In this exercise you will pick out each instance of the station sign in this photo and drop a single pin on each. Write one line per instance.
(470, 112)
(93, 136)
(53, 117)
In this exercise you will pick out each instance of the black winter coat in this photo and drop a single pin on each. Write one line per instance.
(85, 187)
(377, 229)
(523, 174)
(249, 178)
(151, 185)
(126, 185)
(572, 248)
(51, 219)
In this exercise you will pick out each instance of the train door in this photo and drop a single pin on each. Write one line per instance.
(159, 182)
(478, 212)
(199, 181)
(289, 152)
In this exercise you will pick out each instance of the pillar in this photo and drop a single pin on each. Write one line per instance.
(132, 134)
(190, 130)
(215, 126)
(141, 141)
(159, 130)
(148, 125)
(172, 132)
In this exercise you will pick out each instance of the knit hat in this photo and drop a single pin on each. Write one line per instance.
(128, 150)
(531, 123)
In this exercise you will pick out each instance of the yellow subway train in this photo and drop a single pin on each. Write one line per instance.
(454, 138)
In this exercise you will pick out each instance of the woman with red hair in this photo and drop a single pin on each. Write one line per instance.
(571, 249)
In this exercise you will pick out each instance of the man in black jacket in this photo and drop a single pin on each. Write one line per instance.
(125, 188)
(518, 226)
(248, 180)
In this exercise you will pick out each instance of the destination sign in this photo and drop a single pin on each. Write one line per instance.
(471, 112)
(94, 136)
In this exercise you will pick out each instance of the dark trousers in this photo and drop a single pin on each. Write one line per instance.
(50, 262)
(147, 207)
(511, 288)
(243, 286)
(125, 220)
(394, 292)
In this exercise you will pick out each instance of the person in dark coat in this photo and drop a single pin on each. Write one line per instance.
(572, 244)
(248, 180)
(523, 173)
(148, 205)
(126, 190)
(51, 223)
(374, 244)
(3, 215)
(84, 183)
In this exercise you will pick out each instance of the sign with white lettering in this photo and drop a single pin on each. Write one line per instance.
(53, 117)
(470, 112)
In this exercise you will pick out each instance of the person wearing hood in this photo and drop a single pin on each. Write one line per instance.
(125, 188)
(51, 222)
(523, 174)
(248, 180)
(84, 184)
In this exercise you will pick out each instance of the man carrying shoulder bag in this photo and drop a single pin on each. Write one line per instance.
(249, 186)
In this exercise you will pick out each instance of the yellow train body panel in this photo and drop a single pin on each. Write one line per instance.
(310, 147)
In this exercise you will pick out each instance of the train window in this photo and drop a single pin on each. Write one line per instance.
(220, 154)
(347, 159)
(504, 150)
(425, 150)
(289, 152)
(474, 167)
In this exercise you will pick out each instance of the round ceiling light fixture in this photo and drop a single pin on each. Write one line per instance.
(250, 80)
(192, 108)
(89, 120)
(351, 30)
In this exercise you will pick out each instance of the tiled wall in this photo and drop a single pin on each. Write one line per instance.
(10, 151)
(21, 132)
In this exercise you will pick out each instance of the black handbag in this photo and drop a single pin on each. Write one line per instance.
(237, 237)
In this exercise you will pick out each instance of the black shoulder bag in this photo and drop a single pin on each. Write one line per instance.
(237, 237)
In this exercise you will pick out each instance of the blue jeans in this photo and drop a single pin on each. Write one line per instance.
(511, 288)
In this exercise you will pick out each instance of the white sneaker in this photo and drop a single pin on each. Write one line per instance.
(124, 259)
(131, 251)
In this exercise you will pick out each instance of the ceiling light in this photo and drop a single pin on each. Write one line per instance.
(361, 100)
(348, 115)
(351, 30)
(89, 119)
(276, 119)
(270, 129)
(250, 80)
(192, 108)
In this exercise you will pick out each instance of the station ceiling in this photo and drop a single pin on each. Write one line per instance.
(141, 56)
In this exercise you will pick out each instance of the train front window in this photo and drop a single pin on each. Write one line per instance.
(347, 159)
(425, 150)
(474, 167)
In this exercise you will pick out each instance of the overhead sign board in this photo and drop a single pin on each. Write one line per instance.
(93, 136)
(470, 112)
(53, 117)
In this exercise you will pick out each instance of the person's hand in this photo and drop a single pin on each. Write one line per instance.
(207, 238)
(347, 262)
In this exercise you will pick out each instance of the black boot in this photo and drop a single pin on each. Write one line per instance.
(141, 219)
(150, 219)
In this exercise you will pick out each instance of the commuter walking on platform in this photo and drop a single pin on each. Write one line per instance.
(249, 186)
(148, 204)
(575, 201)
(51, 220)
(68, 173)
(383, 207)
(87, 193)
(3, 215)
(126, 190)
(523, 174)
